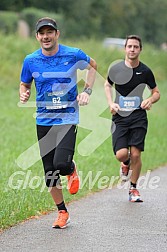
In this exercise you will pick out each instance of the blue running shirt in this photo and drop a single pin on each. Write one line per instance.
(55, 80)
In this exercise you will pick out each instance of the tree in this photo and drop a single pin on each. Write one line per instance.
(103, 17)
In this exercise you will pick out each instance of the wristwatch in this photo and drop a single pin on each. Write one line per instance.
(88, 90)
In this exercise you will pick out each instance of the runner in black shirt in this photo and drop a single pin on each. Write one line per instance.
(130, 78)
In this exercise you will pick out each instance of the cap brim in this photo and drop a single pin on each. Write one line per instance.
(40, 25)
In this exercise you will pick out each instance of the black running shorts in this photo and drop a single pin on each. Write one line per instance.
(57, 144)
(129, 130)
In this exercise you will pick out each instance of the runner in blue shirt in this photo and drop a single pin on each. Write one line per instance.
(53, 68)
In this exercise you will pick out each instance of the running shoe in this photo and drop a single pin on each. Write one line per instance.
(62, 220)
(134, 195)
(125, 172)
(73, 181)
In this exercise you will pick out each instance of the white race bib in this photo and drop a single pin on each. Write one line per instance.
(56, 100)
(129, 103)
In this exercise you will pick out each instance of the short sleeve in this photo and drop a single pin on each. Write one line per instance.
(26, 75)
(151, 79)
(109, 80)
(83, 60)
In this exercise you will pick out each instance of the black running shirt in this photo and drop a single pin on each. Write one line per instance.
(130, 81)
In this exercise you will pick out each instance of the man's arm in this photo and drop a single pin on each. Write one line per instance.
(84, 97)
(155, 96)
(91, 74)
(114, 107)
(24, 92)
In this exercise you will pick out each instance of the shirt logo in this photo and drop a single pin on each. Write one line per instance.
(66, 63)
(138, 72)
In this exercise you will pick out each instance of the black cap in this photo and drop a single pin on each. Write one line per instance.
(46, 21)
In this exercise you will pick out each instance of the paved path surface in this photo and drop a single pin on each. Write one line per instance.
(101, 222)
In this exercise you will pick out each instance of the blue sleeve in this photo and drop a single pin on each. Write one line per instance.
(26, 75)
(82, 59)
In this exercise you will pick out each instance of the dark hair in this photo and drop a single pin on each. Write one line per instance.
(133, 37)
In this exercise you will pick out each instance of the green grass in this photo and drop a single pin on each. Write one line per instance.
(18, 132)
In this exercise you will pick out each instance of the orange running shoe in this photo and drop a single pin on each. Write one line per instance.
(73, 181)
(62, 220)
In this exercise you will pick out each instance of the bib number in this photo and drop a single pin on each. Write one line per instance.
(129, 103)
(56, 100)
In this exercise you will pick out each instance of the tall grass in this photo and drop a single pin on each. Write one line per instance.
(18, 131)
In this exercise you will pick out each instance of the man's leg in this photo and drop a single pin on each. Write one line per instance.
(63, 158)
(56, 194)
(123, 156)
(136, 163)
(135, 168)
(47, 145)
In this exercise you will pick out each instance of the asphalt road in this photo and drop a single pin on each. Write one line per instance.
(101, 222)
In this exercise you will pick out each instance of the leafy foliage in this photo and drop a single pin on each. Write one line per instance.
(31, 15)
(8, 22)
(92, 18)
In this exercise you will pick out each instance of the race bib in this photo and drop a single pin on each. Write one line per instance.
(56, 100)
(129, 103)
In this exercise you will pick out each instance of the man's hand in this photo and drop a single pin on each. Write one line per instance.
(24, 96)
(114, 107)
(146, 104)
(83, 98)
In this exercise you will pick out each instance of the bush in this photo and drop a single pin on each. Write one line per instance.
(31, 15)
(8, 22)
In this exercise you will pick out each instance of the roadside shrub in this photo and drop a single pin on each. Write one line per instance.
(31, 15)
(8, 22)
